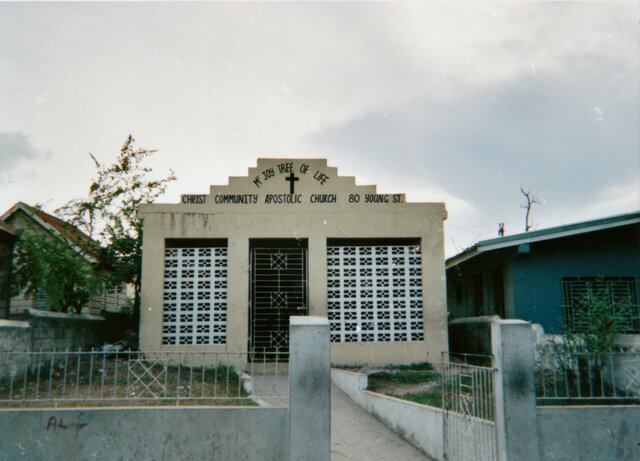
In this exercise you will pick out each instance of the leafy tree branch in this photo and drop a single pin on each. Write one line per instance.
(108, 213)
(52, 266)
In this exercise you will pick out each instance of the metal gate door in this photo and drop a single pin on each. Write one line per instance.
(468, 409)
(278, 291)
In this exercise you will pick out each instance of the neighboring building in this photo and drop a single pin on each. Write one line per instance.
(23, 217)
(541, 276)
(224, 271)
(7, 241)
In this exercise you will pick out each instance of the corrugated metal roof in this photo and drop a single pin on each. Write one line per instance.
(544, 234)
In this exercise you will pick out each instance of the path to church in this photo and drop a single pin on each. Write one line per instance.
(358, 436)
(355, 434)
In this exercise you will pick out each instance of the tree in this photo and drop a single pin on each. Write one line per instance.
(109, 213)
(592, 336)
(531, 199)
(52, 266)
(598, 320)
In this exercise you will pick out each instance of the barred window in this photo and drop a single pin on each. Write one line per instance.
(619, 291)
(374, 291)
(195, 292)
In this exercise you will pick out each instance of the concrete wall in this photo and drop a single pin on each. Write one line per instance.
(629, 342)
(525, 432)
(589, 433)
(54, 330)
(300, 432)
(471, 335)
(46, 331)
(145, 433)
(528, 432)
(420, 425)
(14, 336)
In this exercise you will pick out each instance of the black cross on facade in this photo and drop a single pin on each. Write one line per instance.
(292, 182)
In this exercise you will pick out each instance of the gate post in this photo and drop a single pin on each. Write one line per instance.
(309, 389)
(512, 343)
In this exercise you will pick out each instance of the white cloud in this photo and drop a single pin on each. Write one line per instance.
(611, 200)
(16, 148)
(459, 102)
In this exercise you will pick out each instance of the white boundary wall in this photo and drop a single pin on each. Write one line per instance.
(145, 433)
(590, 433)
(301, 432)
(420, 425)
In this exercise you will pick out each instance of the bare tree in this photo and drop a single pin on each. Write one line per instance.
(531, 199)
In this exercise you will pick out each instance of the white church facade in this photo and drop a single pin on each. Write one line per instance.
(224, 271)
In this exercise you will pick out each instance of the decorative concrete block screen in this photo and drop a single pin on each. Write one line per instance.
(195, 293)
(375, 293)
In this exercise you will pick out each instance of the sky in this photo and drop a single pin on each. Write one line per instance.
(457, 102)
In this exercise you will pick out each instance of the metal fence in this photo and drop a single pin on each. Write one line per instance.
(468, 404)
(141, 378)
(564, 377)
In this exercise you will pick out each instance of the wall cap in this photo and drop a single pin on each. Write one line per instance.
(61, 315)
(511, 322)
(14, 324)
(308, 320)
(480, 319)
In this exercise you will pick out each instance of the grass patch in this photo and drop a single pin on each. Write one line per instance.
(354, 368)
(417, 382)
(381, 379)
(424, 366)
(433, 398)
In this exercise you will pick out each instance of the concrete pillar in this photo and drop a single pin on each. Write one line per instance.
(513, 346)
(309, 389)
(238, 276)
(318, 266)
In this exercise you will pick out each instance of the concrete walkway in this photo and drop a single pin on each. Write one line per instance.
(358, 436)
(355, 434)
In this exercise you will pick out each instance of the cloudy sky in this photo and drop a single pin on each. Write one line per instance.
(454, 102)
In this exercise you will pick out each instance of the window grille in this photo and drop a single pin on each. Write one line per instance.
(620, 291)
(375, 293)
(195, 296)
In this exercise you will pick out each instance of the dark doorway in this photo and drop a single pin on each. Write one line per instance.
(279, 287)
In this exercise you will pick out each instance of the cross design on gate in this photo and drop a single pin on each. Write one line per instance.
(292, 182)
(278, 299)
(147, 378)
(279, 338)
(278, 261)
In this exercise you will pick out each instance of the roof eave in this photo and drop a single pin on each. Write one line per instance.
(482, 248)
(93, 259)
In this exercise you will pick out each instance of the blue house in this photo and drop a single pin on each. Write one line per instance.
(541, 276)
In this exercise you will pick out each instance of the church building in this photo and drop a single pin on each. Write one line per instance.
(224, 271)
